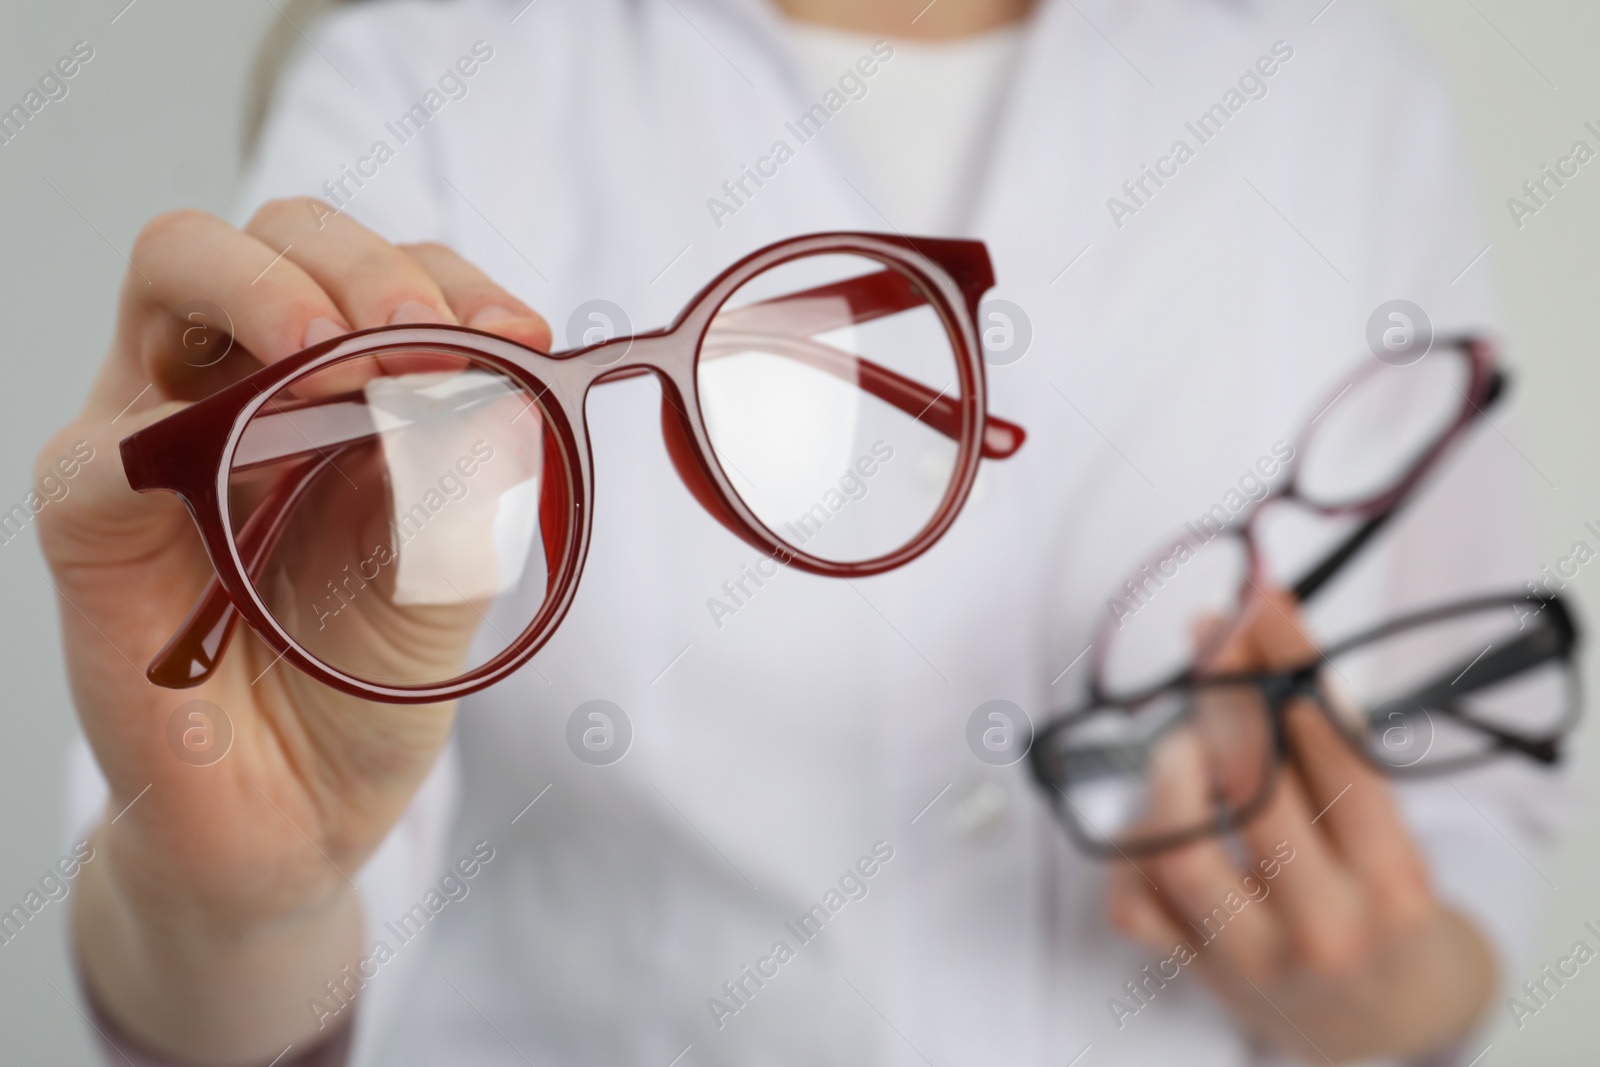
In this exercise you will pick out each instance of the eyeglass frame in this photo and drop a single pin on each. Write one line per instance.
(190, 452)
(1279, 688)
(1486, 387)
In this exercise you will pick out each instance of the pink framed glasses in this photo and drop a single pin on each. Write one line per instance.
(403, 513)
(1354, 465)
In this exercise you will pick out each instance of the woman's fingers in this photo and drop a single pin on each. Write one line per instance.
(1321, 901)
(373, 282)
(476, 300)
(1135, 908)
(1321, 905)
(1359, 816)
(1330, 875)
(1199, 883)
(1350, 800)
(99, 521)
(292, 278)
(272, 309)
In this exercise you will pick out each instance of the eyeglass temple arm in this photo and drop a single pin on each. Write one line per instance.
(805, 314)
(194, 651)
(1334, 562)
(940, 412)
(1324, 571)
(1521, 655)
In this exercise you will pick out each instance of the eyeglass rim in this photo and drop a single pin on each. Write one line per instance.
(953, 274)
(1103, 846)
(1483, 365)
(957, 310)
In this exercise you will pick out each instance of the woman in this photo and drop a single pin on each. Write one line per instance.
(525, 168)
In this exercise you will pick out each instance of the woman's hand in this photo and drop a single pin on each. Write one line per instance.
(1341, 950)
(220, 899)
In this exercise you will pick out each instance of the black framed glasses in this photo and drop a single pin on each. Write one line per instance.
(1356, 462)
(1429, 693)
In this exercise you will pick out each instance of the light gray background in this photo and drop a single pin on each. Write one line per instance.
(153, 123)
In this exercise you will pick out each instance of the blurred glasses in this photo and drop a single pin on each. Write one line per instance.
(1427, 694)
(1359, 459)
(403, 513)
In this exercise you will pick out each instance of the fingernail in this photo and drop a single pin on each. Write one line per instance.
(415, 311)
(322, 329)
(492, 314)
(1127, 916)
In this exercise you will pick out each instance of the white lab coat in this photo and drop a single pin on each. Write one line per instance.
(773, 751)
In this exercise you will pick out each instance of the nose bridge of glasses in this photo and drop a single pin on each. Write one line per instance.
(648, 354)
(616, 358)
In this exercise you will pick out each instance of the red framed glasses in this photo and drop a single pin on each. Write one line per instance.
(403, 513)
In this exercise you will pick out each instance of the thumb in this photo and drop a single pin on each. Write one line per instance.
(93, 517)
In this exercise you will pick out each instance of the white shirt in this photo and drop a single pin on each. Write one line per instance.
(1170, 347)
(925, 121)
